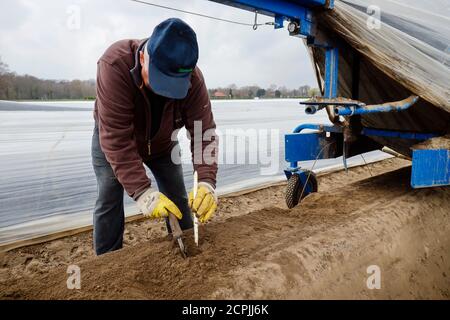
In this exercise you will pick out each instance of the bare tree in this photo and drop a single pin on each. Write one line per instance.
(3, 67)
(17, 87)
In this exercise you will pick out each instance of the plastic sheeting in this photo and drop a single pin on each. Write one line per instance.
(46, 173)
(47, 181)
(407, 53)
(411, 45)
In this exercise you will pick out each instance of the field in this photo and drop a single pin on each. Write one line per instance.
(255, 248)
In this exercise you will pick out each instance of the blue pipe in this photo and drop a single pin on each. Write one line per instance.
(398, 134)
(318, 127)
(311, 109)
(386, 107)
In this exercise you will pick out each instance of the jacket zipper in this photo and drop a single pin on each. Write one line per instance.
(149, 122)
(148, 115)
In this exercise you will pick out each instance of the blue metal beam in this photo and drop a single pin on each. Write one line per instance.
(287, 8)
(331, 72)
(280, 8)
(269, 7)
(310, 3)
(398, 134)
(279, 20)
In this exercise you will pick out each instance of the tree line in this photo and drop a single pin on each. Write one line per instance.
(26, 87)
(249, 92)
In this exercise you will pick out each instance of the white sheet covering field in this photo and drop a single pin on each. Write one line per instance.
(47, 180)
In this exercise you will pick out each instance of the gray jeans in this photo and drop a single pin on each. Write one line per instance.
(109, 215)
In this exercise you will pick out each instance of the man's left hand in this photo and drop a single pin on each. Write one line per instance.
(205, 203)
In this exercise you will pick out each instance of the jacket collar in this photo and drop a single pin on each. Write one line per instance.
(136, 70)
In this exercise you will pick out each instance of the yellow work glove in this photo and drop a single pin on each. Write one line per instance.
(205, 203)
(154, 204)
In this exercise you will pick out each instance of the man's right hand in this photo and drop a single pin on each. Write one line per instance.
(154, 204)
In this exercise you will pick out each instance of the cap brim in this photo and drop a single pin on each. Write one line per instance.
(167, 86)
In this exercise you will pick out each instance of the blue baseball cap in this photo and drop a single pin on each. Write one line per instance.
(173, 52)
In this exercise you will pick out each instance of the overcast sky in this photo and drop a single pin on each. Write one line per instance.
(41, 38)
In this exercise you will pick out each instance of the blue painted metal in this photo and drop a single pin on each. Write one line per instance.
(319, 127)
(291, 10)
(271, 7)
(289, 171)
(430, 168)
(398, 134)
(304, 179)
(279, 21)
(311, 3)
(331, 72)
(315, 104)
(348, 110)
(301, 147)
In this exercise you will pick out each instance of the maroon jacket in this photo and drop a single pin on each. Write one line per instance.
(122, 111)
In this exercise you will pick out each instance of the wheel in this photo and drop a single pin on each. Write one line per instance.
(295, 187)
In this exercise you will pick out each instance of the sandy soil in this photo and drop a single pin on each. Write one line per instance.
(257, 248)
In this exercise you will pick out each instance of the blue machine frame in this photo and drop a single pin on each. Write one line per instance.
(315, 145)
(299, 11)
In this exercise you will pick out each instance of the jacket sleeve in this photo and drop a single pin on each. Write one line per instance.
(199, 122)
(115, 110)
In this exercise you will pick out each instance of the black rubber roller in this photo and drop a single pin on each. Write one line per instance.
(295, 186)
